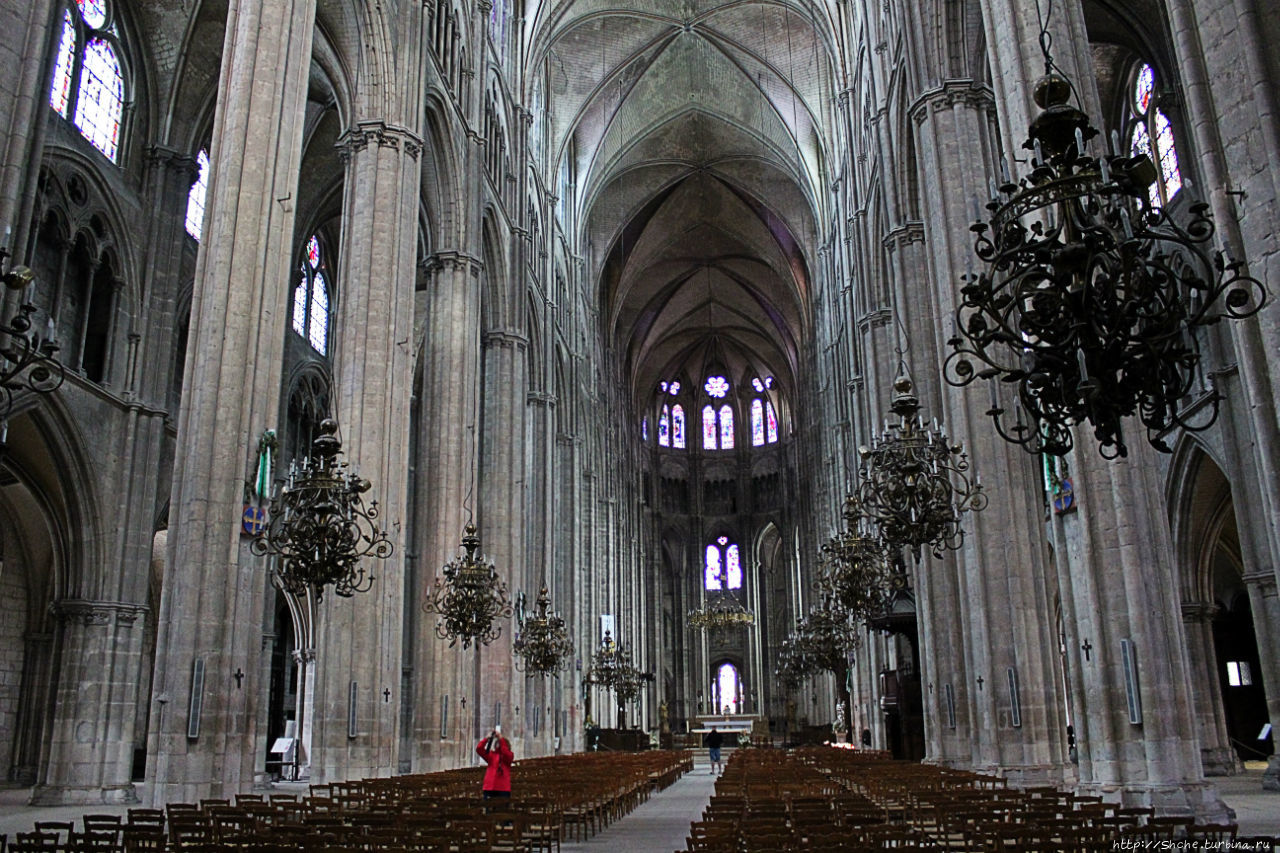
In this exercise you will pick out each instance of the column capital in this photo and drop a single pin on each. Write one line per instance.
(180, 162)
(90, 613)
(382, 134)
(504, 338)
(452, 260)
(954, 92)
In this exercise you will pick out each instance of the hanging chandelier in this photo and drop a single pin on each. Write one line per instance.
(721, 615)
(318, 525)
(856, 571)
(1092, 295)
(613, 669)
(470, 597)
(913, 483)
(542, 643)
(26, 362)
(823, 641)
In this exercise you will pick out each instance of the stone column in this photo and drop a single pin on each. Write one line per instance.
(25, 75)
(90, 745)
(212, 589)
(502, 507)
(1002, 640)
(359, 638)
(448, 447)
(1216, 754)
(170, 174)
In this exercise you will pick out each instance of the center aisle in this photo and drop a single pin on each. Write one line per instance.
(660, 825)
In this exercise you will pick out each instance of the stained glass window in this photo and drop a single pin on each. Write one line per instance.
(195, 198)
(663, 386)
(664, 427)
(1150, 123)
(94, 12)
(311, 299)
(60, 93)
(300, 305)
(727, 691)
(318, 319)
(100, 97)
(717, 386)
(94, 98)
(644, 428)
(733, 568)
(708, 428)
(726, 427)
(711, 571)
(677, 426)
(771, 422)
(675, 388)
(757, 422)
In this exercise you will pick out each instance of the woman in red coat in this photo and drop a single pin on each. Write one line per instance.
(496, 752)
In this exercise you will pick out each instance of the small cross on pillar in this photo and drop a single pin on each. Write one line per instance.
(1087, 647)
(238, 675)
(981, 680)
(386, 694)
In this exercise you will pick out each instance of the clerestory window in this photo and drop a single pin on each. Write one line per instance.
(88, 79)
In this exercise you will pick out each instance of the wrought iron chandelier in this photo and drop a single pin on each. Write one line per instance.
(1092, 295)
(542, 643)
(822, 641)
(856, 567)
(613, 669)
(318, 525)
(470, 597)
(723, 613)
(913, 483)
(26, 362)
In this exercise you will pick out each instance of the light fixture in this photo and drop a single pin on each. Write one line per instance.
(723, 614)
(318, 526)
(470, 597)
(613, 669)
(26, 362)
(855, 566)
(1092, 295)
(913, 483)
(542, 643)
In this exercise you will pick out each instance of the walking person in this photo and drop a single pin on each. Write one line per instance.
(496, 752)
(714, 741)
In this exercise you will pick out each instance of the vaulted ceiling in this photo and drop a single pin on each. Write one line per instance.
(697, 134)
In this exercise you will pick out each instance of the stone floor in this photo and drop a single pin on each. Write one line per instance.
(662, 824)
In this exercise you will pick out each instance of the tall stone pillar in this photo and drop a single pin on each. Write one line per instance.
(448, 444)
(358, 660)
(1216, 754)
(91, 738)
(502, 509)
(991, 665)
(24, 76)
(212, 599)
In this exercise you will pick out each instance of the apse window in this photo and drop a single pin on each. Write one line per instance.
(717, 427)
(764, 423)
(195, 198)
(1239, 674)
(722, 568)
(311, 299)
(1152, 135)
(88, 79)
(671, 426)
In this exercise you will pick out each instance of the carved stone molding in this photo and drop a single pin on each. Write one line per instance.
(504, 338)
(381, 134)
(875, 319)
(541, 398)
(164, 157)
(903, 236)
(948, 96)
(90, 613)
(303, 655)
(1199, 611)
(452, 260)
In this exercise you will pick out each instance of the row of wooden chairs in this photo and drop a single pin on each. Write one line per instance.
(422, 813)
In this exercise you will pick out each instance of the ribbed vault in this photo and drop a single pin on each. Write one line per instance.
(690, 141)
